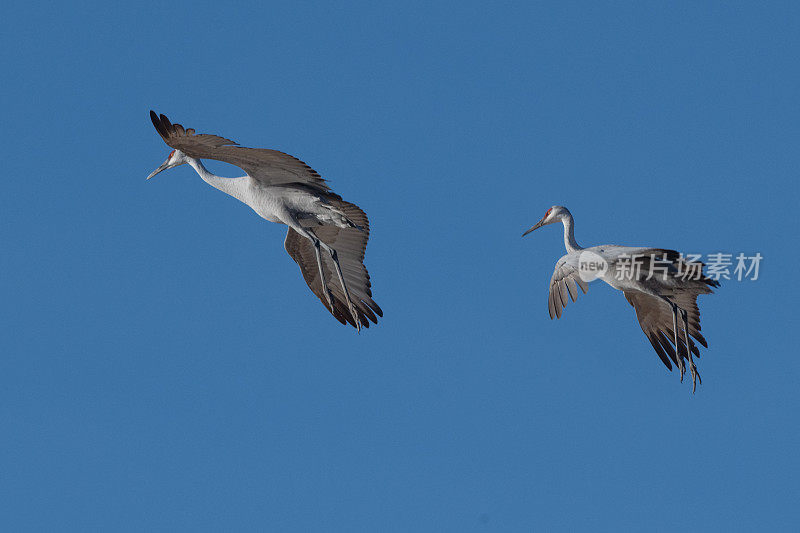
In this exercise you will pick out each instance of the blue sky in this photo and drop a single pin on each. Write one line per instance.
(164, 366)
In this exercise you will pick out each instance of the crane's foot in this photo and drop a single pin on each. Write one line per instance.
(679, 357)
(695, 376)
(353, 311)
(692, 366)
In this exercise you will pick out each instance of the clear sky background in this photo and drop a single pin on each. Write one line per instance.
(164, 365)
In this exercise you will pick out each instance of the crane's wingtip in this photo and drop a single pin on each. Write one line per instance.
(162, 124)
(155, 121)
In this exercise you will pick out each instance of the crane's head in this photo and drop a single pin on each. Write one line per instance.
(175, 158)
(554, 214)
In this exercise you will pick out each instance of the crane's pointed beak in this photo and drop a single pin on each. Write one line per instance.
(537, 226)
(164, 166)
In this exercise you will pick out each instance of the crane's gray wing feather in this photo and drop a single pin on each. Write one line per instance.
(563, 287)
(269, 167)
(350, 245)
(655, 318)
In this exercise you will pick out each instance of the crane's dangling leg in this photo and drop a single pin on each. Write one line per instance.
(350, 305)
(675, 333)
(692, 366)
(324, 283)
(295, 225)
(317, 244)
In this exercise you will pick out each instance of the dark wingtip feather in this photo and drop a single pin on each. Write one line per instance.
(660, 351)
(337, 312)
(367, 312)
(157, 123)
(699, 338)
(166, 124)
(668, 349)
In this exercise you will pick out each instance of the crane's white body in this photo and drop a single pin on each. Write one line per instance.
(284, 205)
(610, 253)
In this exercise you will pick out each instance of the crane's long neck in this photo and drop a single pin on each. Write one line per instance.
(569, 234)
(235, 187)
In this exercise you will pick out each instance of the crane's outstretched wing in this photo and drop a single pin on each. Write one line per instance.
(655, 318)
(562, 286)
(270, 167)
(682, 282)
(350, 244)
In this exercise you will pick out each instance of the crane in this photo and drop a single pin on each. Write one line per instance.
(326, 234)
(660, 285)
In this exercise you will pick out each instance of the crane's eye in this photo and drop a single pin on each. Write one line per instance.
(171, 154)
(548, 213)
